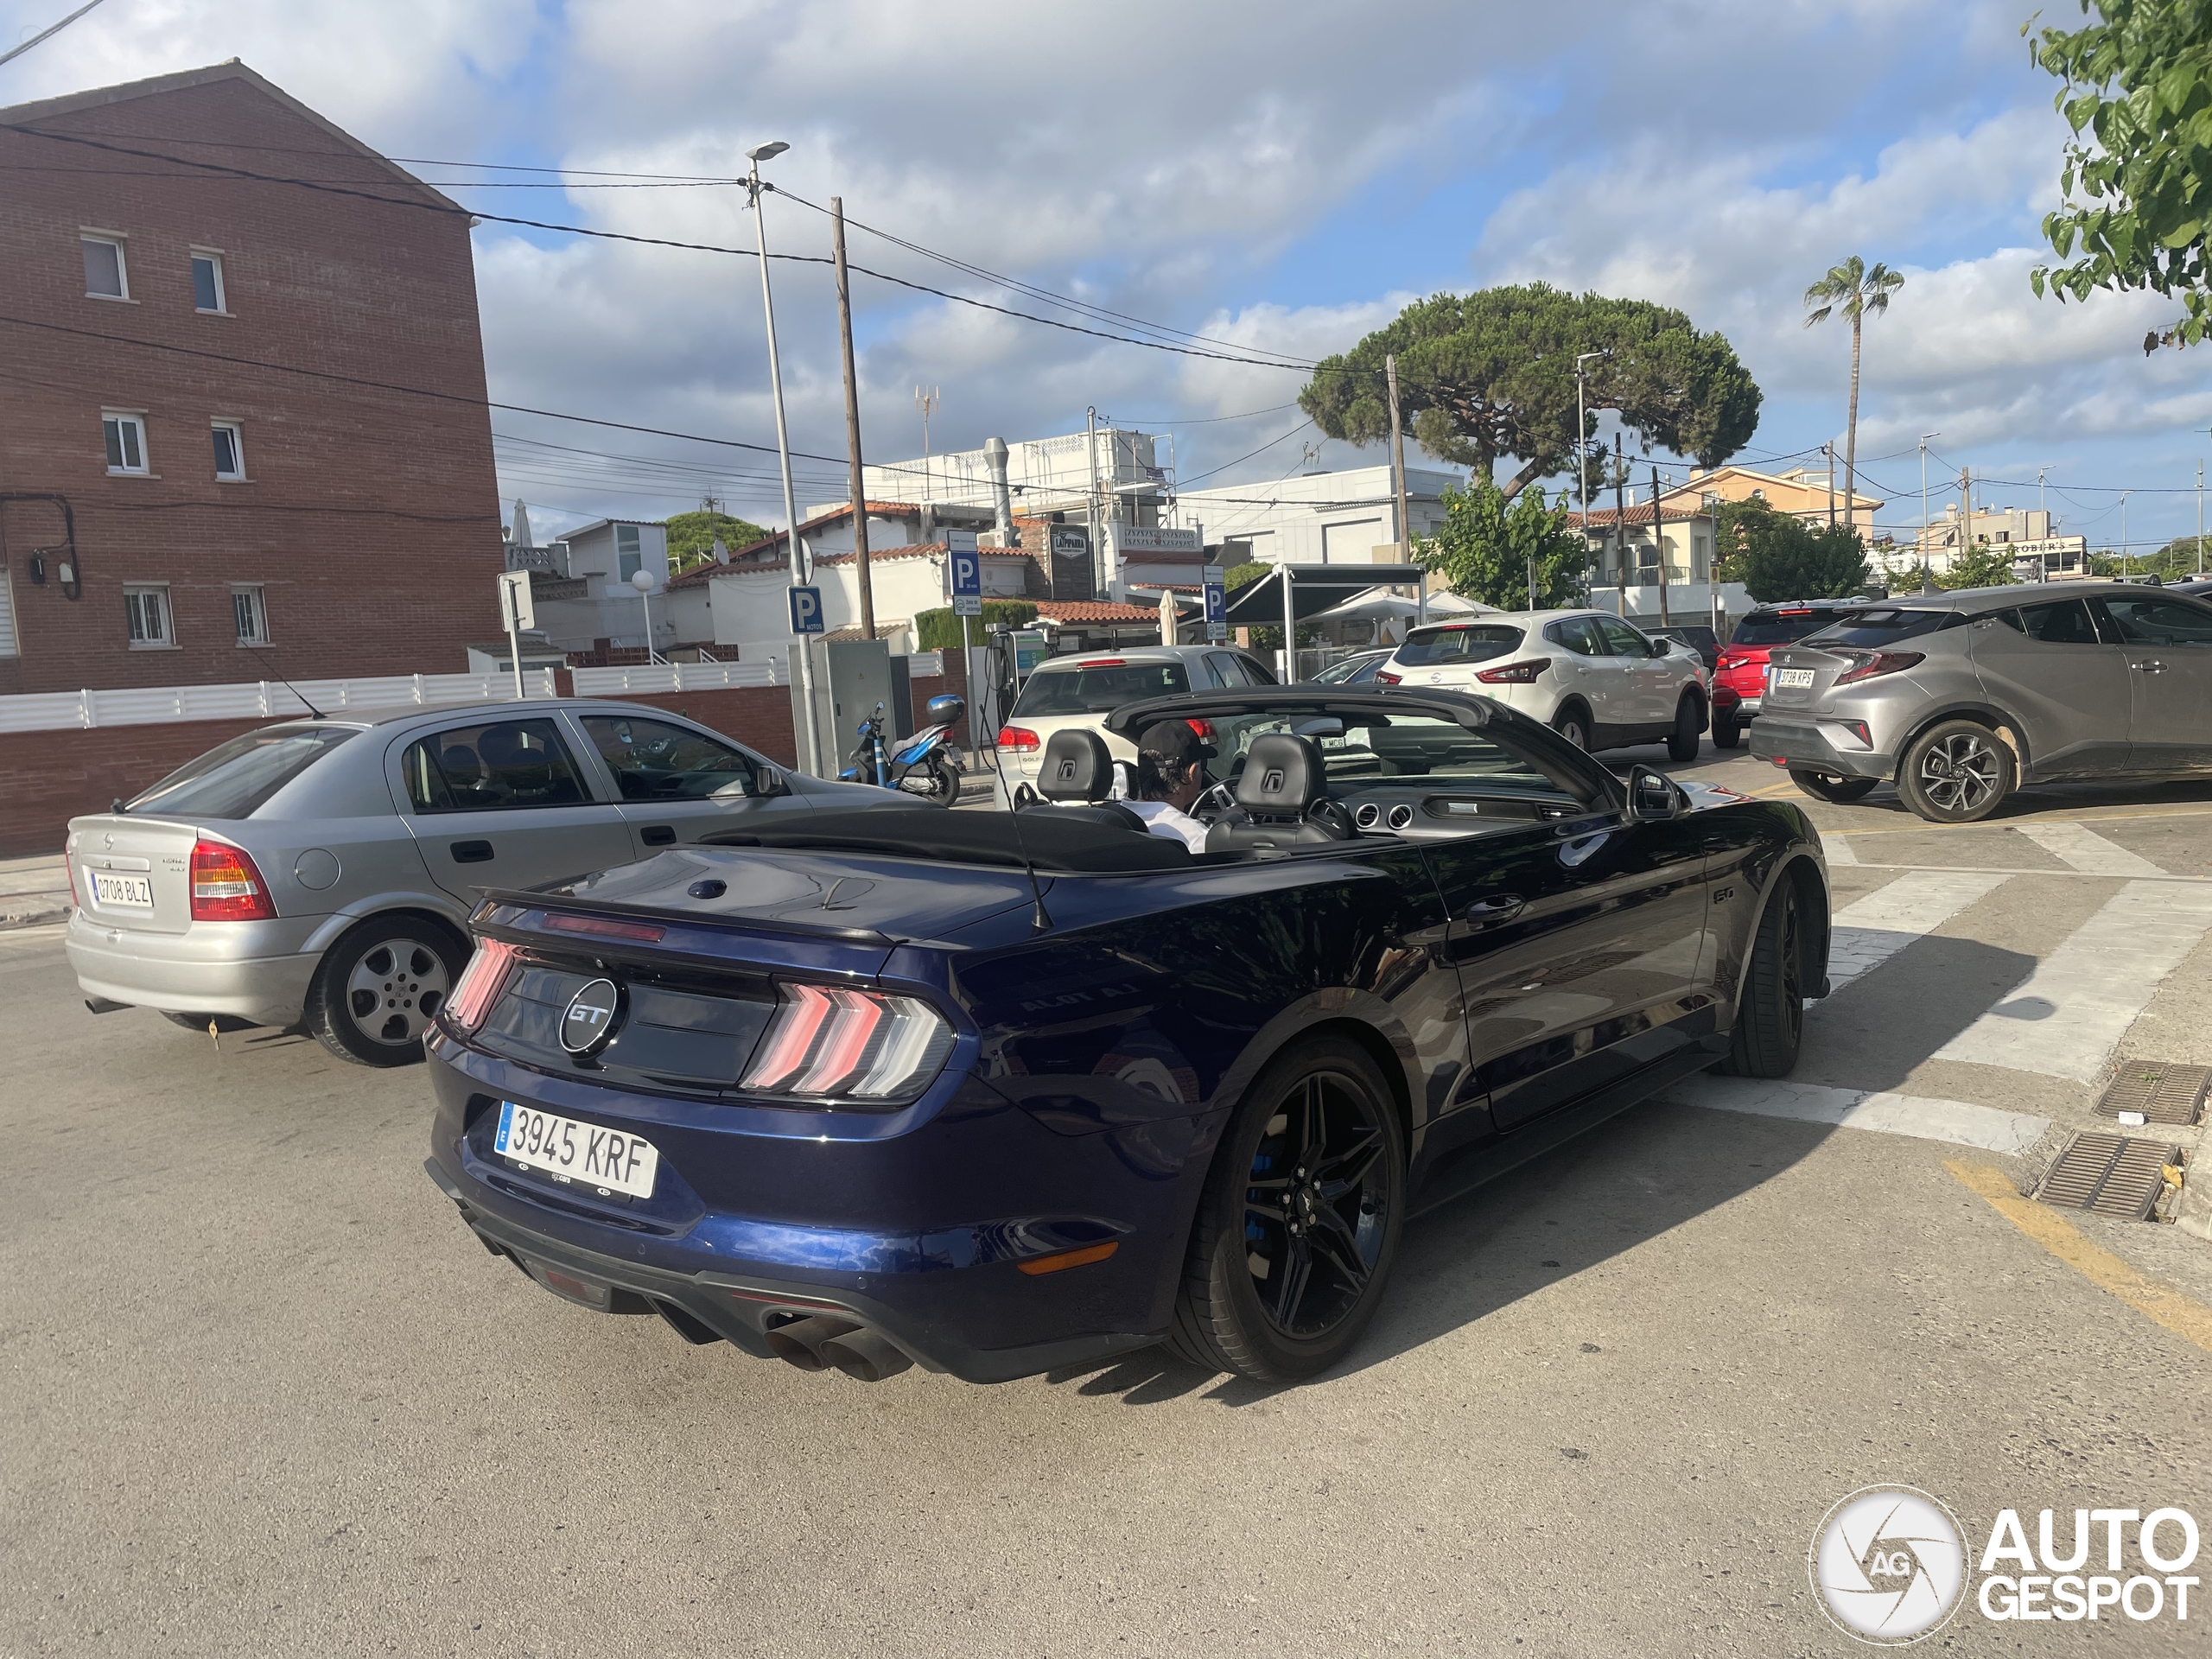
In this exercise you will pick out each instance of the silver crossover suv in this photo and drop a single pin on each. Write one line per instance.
(1961, 698)
(322, 871)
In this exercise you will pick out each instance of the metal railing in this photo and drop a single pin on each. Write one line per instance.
(263, 699)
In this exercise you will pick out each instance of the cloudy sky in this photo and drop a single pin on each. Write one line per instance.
(1280, 177)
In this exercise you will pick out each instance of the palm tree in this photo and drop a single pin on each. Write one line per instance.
(1855, 288)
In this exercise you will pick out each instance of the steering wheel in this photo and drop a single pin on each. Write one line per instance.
(1213, 803)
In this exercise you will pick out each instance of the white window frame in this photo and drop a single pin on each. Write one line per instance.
(635, 550)
(9, 644)
(132, 418)
(256, 616)
(236, 430)
(134, 596)
(222, 307)
(121, 243)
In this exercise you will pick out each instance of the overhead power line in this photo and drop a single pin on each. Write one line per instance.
(47, 33)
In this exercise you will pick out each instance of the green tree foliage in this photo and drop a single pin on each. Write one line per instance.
(1776, 555)
(1487, 539)
(1985, 564)
(2176, 560)
(691, 536)
(1491, 374)
(1855, 290)
(2136, 183)
(941, 631)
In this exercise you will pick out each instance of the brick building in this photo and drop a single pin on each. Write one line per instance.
(243, 429)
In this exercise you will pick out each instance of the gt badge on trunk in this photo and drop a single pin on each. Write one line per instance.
(589, 1019)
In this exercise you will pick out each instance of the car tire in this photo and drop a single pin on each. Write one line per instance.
(1230, 1313)
(1727, 734)
(1572, 724)
(1689, 721)
(1956, 772)
(1770, 1008)
(375, 990)
(199, 1022)
(1840, 790)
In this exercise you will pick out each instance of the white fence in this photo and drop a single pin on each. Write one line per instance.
(263, 699)
(673, 676)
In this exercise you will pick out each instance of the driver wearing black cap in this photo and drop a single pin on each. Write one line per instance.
(1171, 776)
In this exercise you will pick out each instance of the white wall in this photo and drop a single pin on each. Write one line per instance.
(749, 610)
(1318, 518)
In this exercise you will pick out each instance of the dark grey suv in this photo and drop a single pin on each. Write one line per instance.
(1963, 697)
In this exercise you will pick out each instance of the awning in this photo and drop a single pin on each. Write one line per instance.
(1313, 588)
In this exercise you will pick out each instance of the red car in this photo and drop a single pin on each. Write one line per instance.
(1739, 679)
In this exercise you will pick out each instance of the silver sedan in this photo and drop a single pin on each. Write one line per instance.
(321, 871)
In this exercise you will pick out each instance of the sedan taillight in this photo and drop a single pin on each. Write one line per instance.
(1515, 673)
(1388, 678)
(1017, 738)
(835, 1041)
(480, 983)
(1865, 666)
(225, 886)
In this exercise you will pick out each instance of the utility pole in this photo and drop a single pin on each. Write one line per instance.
(2125, 570)
(810, 738)
(854, 481)
(1925, 585)
(2200, 515)
(927, 401)
(1966, 513)
(1827, 453)
(2043, 559)
(1582, 459)
(1091, 510)
(1398, 462)
(1659, 537)
(1620, 524)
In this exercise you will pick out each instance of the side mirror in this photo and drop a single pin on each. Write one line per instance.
(1652, 797)
(768, 781)
(1661, 647)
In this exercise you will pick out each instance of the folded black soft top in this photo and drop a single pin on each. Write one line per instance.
(1070, 840)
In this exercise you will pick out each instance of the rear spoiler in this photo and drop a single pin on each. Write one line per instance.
(561, 903)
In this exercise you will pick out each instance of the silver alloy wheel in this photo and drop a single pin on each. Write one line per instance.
(393, 988)
(1961, 774)
(1575, 730)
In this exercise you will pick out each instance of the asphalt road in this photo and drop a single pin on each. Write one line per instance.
(264, 1394)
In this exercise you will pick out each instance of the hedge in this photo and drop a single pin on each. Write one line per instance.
(941, 631)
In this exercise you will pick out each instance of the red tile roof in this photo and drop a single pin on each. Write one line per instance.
(706, 573)
(1095, 610)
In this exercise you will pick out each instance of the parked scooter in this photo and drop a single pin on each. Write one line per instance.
(922, 767)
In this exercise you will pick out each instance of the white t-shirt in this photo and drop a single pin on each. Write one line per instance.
(1163, 820)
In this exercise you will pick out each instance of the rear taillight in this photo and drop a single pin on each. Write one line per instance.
(1865, 666)
(1515, 673)
(833, 1040)
(1205, 728)
(480, 984)
(226, 886)
(1018, 737)
(1727, 662)
(1388, 678)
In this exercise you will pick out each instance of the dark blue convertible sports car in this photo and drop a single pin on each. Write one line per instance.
(996, 1092)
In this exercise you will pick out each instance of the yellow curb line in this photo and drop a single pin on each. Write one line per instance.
(2188, 1319)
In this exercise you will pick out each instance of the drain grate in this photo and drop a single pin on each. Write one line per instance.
(2108, 1175)
(2163, 1092)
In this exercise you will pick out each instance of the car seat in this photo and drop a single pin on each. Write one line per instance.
(464, 774)
(527, 776)
(1282, 800)
(1077, 774)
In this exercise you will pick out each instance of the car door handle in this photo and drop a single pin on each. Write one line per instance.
(472, 852)
(2148, 668)
(658, 835)
(1502, 908)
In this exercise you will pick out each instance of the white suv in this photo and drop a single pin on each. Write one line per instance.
(1587, 675)
(1081, 690)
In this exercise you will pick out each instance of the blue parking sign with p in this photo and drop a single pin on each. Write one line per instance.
(967, 572)
(806, 610)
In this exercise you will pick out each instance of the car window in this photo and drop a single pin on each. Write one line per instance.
(2161, 621)
(1578, 635)
(1458, 642)
(658, 761)
(1884, 625)
(1255, 671)
(235, 779)
(1387, 749)
(1228, 669)
(1341, 672)
(1621, 640)
(1096, 688)
(1780, 628)
(2063, 622)
(490, 766)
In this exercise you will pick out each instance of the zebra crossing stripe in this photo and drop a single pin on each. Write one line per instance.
(1920, 1116)
(2080, 1000)
(1868, 932)
(2080, 847)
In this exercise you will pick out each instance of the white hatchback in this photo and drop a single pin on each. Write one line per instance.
(1587, 675)
(1079, 691)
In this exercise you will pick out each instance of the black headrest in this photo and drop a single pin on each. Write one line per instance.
(1077, 767)
(1282, 775)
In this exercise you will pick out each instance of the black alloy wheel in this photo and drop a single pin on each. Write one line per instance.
(1771, 1008)
(1956, 772)
(1841, 791)
(1298, 1224)
(1689, 720)
(1572, 724)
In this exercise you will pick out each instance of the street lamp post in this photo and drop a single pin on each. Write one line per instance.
(643, 581)
(811, 738)
(1925, 585)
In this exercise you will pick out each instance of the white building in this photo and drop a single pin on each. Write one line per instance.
(1045, 476)
(581, 591)
(1338, 517)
